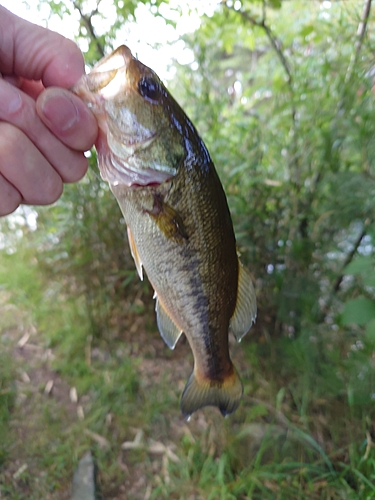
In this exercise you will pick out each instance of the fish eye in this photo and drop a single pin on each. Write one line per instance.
(149, 89)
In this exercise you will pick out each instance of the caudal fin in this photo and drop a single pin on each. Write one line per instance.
(199, 392)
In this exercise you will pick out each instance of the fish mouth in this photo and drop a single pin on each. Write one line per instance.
(119, 167)
(105, 80)
(111, 75)
(119, 58)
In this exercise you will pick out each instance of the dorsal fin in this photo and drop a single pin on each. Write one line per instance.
(246, 306)
(167, 327)
(135, 254)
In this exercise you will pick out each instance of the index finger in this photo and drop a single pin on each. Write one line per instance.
(36, 53)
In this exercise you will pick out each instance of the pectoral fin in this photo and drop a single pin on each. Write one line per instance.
(167, 328)
(246, 307)
(168, 220)
(135, 254)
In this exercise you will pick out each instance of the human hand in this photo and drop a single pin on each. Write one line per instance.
(44, 128)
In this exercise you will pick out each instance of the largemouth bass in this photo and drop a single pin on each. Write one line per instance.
(179, 226)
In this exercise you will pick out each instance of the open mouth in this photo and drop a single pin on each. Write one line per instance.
(105, 80)
(124, 170)
(110, 75)
(115, 172)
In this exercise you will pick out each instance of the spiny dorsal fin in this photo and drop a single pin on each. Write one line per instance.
(246, 306)
(167, 328)
(200, 392)
(135, 254)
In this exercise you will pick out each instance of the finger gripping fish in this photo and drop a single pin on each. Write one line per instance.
(179, 226)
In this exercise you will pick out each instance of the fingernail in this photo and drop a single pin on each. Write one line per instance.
(10, 99)
(60, 111)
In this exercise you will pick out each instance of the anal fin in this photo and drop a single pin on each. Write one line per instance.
(167, 327)
(135, 254)
(246, 307)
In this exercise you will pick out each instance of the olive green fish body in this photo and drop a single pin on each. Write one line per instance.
(179, 227)
(197, 287)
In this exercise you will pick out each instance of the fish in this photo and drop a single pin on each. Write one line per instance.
(179, 226)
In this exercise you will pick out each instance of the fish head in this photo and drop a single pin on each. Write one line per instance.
(139, 141)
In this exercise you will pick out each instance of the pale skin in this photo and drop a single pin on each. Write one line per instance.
(44, 128)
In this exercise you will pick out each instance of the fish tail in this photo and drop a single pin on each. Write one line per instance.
(201, 391)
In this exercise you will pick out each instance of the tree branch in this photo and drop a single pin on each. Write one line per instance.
(340, 277)
(274, 41)
(276, 44)
(348, 260)
(87, 21)
(361, 31)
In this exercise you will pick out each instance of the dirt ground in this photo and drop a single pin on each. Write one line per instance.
(42, 395)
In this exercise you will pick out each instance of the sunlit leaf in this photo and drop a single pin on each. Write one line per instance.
(307, 30)
(276, 4)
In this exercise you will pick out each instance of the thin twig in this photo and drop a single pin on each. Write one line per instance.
(275, 42)
(87, 21)
(361, 31)
(277, 46)
(348, 260)
(340, 277)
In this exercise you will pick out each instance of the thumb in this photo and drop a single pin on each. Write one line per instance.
(36, 53)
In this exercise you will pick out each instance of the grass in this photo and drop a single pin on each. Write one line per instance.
(304, 429)
(7, 397)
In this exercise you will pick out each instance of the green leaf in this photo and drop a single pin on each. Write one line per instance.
(370, 330)
(360, 311)
(369, 279)
(306, 30)
(280, 398)
(250, 40)
(360, 265)
(257, 411)
(276, 4)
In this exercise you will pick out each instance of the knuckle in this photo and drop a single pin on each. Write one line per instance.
(28, 175)
(9, 207)
(52, 191)
(12, 101)
(10, 198)
(78, 170)
(69, 46)
(10, 139)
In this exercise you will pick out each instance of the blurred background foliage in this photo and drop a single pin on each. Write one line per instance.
(282, 94)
